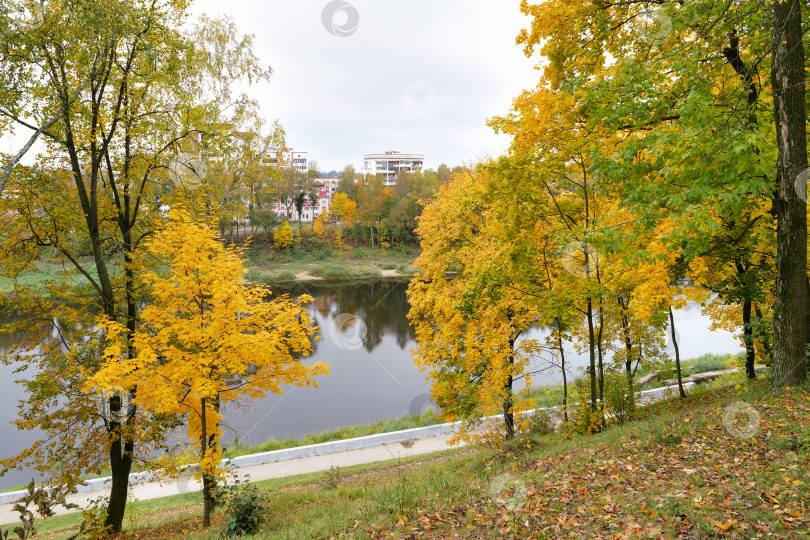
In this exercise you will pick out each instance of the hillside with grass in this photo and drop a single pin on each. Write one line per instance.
(729, 461)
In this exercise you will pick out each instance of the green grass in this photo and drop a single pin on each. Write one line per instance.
(429, 418)
(335, 272)
(268, 266)
(45, 272)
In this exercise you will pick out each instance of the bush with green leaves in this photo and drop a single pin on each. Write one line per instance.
(324, 253)
(620, 397)
(539, 423)
(246, 508)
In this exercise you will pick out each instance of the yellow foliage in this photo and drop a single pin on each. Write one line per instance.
(283, 236)
(317, 225)
(202, 333)
(344, 209)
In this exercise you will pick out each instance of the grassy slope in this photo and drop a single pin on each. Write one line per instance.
(675, 471)
(49, 272)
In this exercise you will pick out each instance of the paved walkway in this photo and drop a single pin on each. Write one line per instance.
(266, 471)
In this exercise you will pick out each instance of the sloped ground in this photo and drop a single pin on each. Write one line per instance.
(724, 463)
(694, 475)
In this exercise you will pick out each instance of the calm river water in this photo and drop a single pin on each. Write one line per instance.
(365, 337)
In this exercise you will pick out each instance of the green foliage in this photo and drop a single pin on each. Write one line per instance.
(539, 424)
(95, 515)
(586, 421)
(712, 362)
(360, 253)
(246, 509)
(285, 275)
(336, 273)
(620, 397)
(324, 253)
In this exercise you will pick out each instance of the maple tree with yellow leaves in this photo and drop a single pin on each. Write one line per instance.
(205, 339)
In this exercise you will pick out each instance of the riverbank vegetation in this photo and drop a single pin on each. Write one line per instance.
(270, 266)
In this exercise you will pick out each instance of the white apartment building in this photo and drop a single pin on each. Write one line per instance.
(309, 211)
(391, 163)
(287, 158)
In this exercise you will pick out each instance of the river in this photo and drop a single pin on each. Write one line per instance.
(365, 337)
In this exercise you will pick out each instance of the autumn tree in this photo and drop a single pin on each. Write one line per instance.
(205, 339)
(283, 236)
(467, 324)
(114, 90)
(680, 82)
(343, 209)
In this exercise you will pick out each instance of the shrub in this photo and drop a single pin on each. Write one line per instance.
(324, 253)
(282, 237)
(254, 256)
(711, 362)
(359, 253)
(402, 249)
(246, 509)
(539, 423)
(331, 478)
(620, 397)
(586, 421)
(286, 275)
(331, 272)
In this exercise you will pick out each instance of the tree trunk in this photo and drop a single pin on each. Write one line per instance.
(508, 402)
(748, 338)
(628, 343)
(599, 351)
(121, 448)
(508, 413)
(562, 365)
(790, 306)
(681, 393)
(208, 488)
(591, 352)
(763, 335)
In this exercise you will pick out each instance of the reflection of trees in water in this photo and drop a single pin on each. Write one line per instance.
(24, 330)
(381, 305)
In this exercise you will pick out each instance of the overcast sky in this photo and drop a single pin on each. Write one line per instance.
(355, 77)
(416, 76)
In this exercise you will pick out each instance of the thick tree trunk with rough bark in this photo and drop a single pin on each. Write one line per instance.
(790, 306)
(121, 449)
(748, 338)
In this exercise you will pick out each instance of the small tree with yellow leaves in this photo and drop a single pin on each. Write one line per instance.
(283, 236)
(206, 339)
(317, 224)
